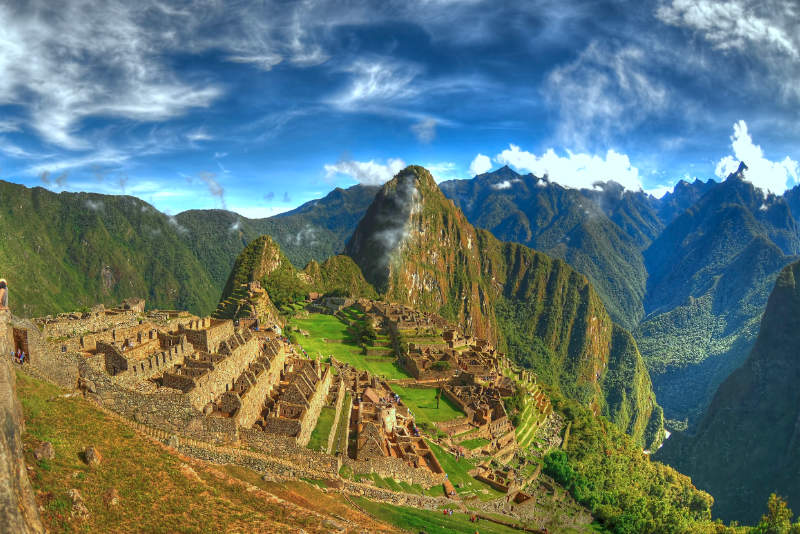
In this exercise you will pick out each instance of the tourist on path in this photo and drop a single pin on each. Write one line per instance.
(3, 294)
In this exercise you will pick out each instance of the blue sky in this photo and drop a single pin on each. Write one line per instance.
(260, 106)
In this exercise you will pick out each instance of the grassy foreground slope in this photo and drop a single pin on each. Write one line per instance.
(159, 490)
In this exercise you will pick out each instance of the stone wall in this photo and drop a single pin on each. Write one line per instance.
(223, 374)
(253, 400)
(315, 405)
(341, 446)
(76, 325)
(396, 469)
(59, 367)
(18, 510)
(169, 411)
(136, 370)
(285, 447)
(207, 334)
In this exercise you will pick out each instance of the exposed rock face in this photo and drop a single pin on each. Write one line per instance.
(418, 249)
(746, 446)
(18, 511)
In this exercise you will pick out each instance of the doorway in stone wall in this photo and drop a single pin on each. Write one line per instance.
(21, 342)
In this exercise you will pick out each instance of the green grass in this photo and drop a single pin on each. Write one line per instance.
(156, 494)
(321, 432)
(475, 443)
(423, 403)
(432, 522)
(341, 429)
(458, 473)
(321, 326)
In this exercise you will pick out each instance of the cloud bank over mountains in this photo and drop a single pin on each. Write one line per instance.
(155, 89)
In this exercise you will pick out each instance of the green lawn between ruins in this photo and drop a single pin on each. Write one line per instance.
(328, 336)
(319, 436)
(422, 402)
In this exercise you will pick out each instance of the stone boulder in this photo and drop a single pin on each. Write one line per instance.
(44, 451)
(92, 456)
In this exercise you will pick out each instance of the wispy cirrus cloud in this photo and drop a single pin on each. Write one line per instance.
(737, 24)
(376, 81)
(606, 89)
(762, 31)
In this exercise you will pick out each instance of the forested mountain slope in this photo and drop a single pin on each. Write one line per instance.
(746, 446)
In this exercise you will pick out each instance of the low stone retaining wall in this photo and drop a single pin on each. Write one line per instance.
(396, 469)
(284, 447)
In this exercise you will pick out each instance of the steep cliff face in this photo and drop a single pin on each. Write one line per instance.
(418, 249)
(18, 511)
(746, 446)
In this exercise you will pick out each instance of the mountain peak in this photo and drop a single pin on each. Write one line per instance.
(739, 174)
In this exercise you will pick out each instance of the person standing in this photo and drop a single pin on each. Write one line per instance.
(3, 294)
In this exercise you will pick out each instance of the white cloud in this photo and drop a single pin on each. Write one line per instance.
(505, 184)
(445, 170)
(101, 157)
(425, 130)
(736, 24)
(604, 91)
(773, 176)
(9, 126)
(67, 62)
(574, 170)
(376, 81)
(763, 31)
(366, 172)
(660, 190)
(200, 134)
(480, 165)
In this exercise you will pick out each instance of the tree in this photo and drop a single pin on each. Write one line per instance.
(777, 520)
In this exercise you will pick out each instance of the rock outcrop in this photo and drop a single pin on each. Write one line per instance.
(18, 511)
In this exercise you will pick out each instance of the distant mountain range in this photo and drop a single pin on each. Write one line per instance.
(687, 274)
(67, 250)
